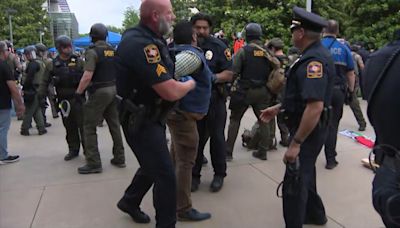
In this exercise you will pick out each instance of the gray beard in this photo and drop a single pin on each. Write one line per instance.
(164, 28)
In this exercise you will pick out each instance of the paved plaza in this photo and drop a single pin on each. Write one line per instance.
(44, 191)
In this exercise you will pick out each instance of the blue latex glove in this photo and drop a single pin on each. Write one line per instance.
(186, 78)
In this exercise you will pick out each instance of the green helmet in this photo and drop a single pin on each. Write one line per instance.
(275, 43)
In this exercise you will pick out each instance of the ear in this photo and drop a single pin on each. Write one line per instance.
(194, 37)
(154, 16)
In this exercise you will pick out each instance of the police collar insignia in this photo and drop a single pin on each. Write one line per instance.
(209, 55)
(314, 70)
(228, 55)
(160, 70)
(152, 53)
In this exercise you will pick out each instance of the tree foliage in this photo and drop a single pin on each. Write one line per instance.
(131, 18)
(116, 29)
(27, 22)
(371, 21)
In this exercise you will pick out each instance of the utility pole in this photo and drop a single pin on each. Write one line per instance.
(10, 11)
(309, 5)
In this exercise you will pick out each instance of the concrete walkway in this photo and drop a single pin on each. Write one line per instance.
(44, 191)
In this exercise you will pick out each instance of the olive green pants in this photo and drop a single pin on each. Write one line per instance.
(101, 103)
(184, 144)
(34, 111)
(258, 99)
(355, 107)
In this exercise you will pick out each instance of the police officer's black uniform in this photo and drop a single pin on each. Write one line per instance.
(143, 61)
(308, 79)
(66, 77)
(213, 125)
(381, 84)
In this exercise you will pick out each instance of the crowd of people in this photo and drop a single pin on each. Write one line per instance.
(147, 84)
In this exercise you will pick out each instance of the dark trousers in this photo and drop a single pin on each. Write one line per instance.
(355, 107)
(74, 126)
(337, 103)
(212, 126)
(306, 205)
(149, 144)
(386, 196)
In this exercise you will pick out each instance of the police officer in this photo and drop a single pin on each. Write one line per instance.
(145, 83)
(308, 93)
(251, 69)
(343, 87)
(41, 50)
(67, 70)
(212, 126)
(276, 45)
(99, 80)
(31, 82)
(380, 83)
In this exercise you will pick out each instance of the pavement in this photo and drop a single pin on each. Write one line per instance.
(44, 191)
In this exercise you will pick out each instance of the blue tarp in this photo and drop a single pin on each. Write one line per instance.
(53, 49)
(113, 39)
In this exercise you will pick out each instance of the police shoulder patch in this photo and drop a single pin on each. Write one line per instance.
(152, 53)
(160, 70)
(228, 54)
(314, 70)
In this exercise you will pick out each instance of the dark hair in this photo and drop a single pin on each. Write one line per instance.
(201, 16)
(333, 27)
(183, 32)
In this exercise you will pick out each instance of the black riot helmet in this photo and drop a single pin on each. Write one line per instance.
(98, 31)
(253, 31)
(41, 49)
(30, 52)
(62, 42)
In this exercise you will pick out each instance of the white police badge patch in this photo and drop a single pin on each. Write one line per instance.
(209, 55)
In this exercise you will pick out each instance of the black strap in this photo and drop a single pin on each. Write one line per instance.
(330, 45)
(381, 75)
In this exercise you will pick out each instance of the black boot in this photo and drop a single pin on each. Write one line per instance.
(262, 155)
(71, 155)
(137, 215)
(87, 169)
(216, 184)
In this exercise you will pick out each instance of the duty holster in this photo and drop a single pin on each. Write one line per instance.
(326, 116)
(131, 115)
(291, 184)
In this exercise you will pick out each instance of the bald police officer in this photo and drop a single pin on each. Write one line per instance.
(99, 80)
(308, 93)
(148, 91)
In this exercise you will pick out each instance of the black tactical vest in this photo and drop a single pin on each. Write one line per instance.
(256, 67)
(105, 69)
(67, 75)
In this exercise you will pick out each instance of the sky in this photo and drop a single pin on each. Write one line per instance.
(108, 12)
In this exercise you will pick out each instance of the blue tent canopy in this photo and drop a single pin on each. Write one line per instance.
(113, 39)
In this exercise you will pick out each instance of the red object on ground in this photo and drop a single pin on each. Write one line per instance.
(366, 142)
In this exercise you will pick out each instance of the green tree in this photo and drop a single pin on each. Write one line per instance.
(131, 18)
(29, 19)
(112, 28)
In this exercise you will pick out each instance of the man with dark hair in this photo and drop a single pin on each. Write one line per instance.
(99, 81)
(8, 90)
(344, 82)
(182, 120)
(219, 60)
(380, 84)
(306, 101)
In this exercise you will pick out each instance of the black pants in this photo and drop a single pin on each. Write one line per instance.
(385, 187)
(306, 205)
(337, 103)
(74, 126)
(212, 126)
(149, 145)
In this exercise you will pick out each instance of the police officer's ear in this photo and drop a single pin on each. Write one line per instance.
(194, 37)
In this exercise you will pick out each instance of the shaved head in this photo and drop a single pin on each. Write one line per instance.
(333, 27)
(157, 15)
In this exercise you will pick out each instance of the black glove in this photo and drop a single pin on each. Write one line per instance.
(78, 98)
